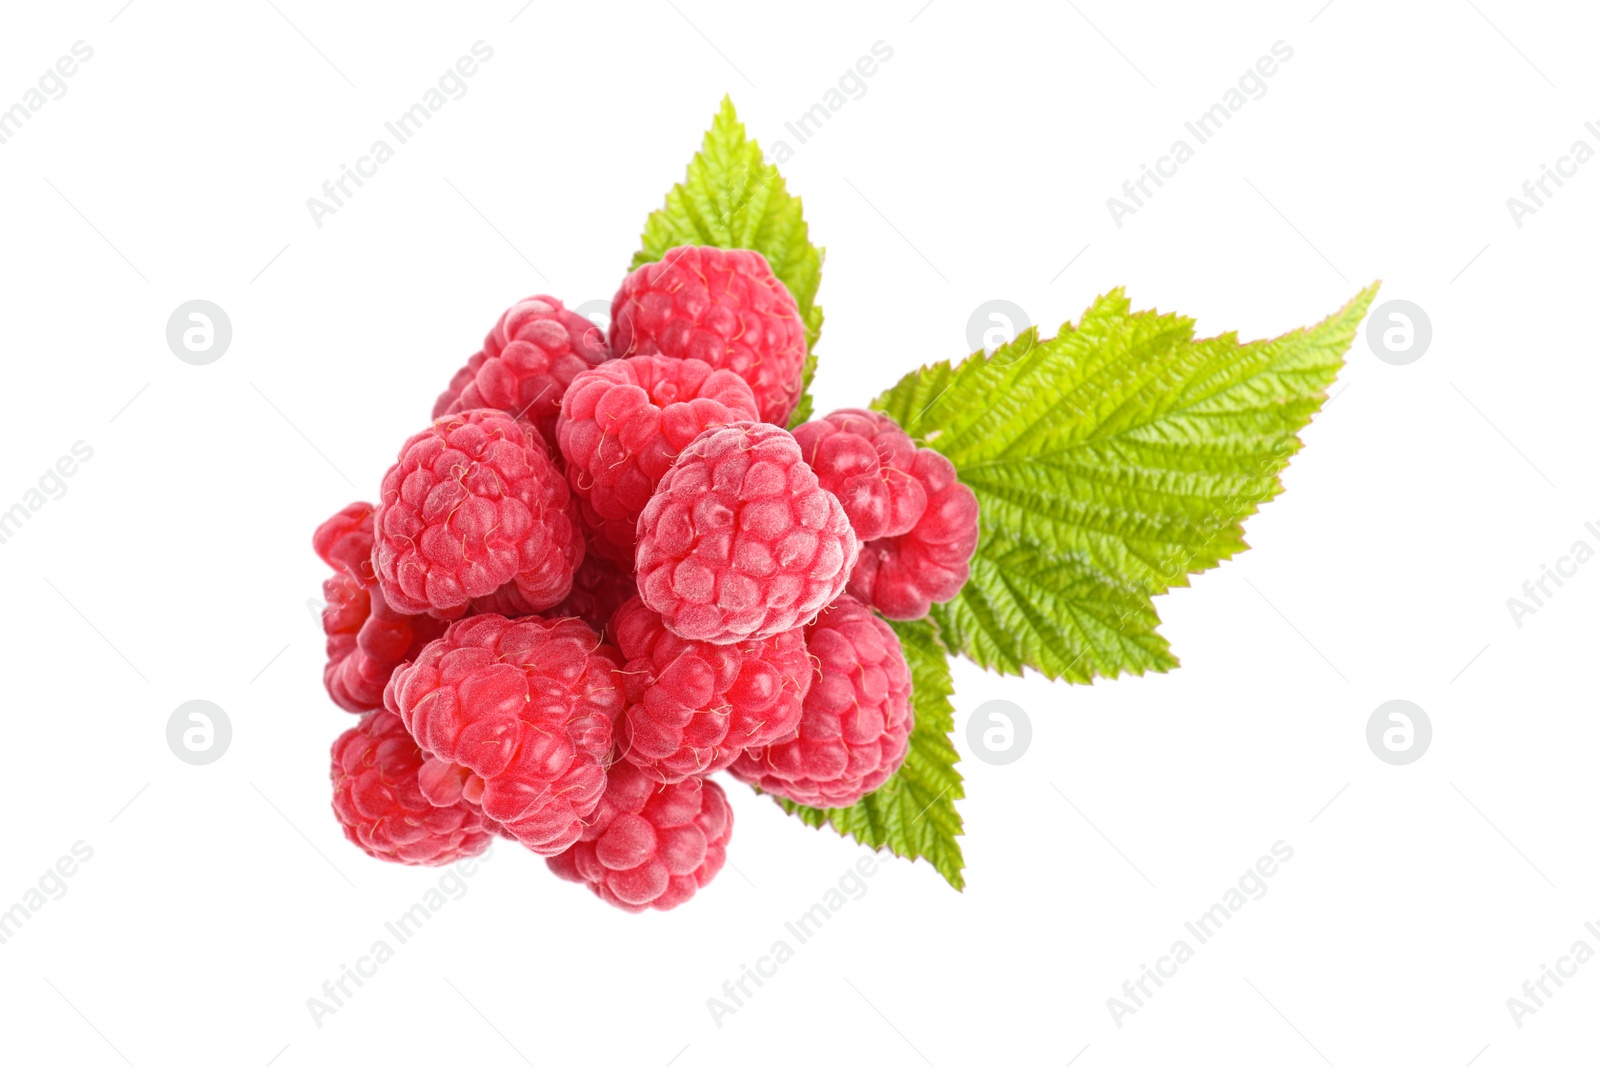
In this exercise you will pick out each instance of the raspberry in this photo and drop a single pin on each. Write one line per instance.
(739, 541)
(346, 606)
(624, 422)
(650, 845)
(507, 600)
(526, 364)
(693, 707)
(903, 576)
(527, 707)
(366, 637)
(865, 460)
(377, 800)
(857, 719)
(598, 590)
(720, 305)
(474, 502)
(344, 541)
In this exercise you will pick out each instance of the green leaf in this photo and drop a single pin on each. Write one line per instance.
(733, 198)
(1110, 462)
(913, 814)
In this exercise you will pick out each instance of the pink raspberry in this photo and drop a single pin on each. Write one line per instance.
(472, 503)
(903, 576)
(854, 731)
(693, 707)
(739, 541)
(382, 810)
(526, 364)
(522, 713)
(723, 306)
(508, 600)
(346, 605)
(598, 590)
(865, 460)
(650, 845)
(624, 422)
(366, 637)
(344, 541)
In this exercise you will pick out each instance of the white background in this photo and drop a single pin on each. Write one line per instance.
(976, 166)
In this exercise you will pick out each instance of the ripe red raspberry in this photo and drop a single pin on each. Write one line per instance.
(526, 364)
(650, 845)
(598, 590)
(723, 306)
(525, 705)
(739, 541)
(693, 707)
(344, 541)
(346, 605)
(472, 503)
(865, 460)
(903, 576)
(366, 637)
(624, 422)
(377, 800)
(857, 719)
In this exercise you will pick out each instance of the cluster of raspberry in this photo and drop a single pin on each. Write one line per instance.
(606, 572)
